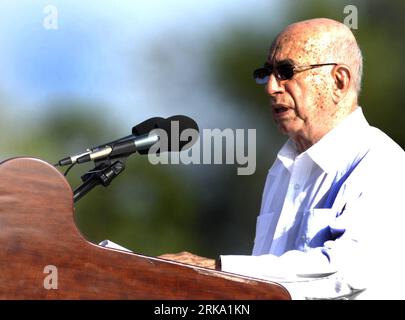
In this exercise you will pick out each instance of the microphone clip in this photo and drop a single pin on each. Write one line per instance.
(103, 173)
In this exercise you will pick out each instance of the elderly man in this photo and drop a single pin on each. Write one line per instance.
(330, 223)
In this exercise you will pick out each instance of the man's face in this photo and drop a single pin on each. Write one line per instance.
(301, 106)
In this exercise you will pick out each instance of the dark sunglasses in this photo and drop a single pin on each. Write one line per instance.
(282, 71)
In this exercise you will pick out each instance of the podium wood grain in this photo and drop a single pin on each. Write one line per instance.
(37, 229)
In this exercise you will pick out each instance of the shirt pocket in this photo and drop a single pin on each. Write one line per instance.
(264, 233)
(315, 228)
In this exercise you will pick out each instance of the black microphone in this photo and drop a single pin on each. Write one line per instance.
(169, 126)
(141, 129)
(143, 139)
(172, 128)
(121, 149)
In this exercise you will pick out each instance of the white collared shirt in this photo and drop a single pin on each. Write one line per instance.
(331, 217)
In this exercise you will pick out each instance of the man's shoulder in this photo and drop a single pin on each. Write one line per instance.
(384, 147)
(385, 159)
(381, 172)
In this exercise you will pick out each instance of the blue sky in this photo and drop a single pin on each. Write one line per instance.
(102, 52)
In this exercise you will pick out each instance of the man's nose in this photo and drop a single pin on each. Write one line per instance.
(273, 86)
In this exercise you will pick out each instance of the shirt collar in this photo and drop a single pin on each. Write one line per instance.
(340, 146)
(287, 154)
(337, 148)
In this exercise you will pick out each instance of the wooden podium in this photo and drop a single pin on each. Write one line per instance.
(44, 256)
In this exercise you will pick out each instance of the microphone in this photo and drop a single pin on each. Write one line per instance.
(141, 140)
(182, 123)
(143, 128)
(120, 149)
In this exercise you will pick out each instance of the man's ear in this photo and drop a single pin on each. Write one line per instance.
(342, 77)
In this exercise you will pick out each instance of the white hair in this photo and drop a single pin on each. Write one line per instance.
(346, 50)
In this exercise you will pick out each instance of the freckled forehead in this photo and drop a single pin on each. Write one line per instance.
(297, 45)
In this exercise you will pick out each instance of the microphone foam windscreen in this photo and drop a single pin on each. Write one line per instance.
(147, 126)
(183, 123)
(176, 124)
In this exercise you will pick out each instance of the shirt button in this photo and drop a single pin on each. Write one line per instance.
(296, 186)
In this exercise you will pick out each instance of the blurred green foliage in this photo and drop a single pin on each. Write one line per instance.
(209, 209)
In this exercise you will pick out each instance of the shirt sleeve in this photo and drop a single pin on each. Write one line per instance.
(368, 258)
(306, 275)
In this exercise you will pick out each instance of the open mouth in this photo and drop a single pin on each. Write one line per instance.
(280, 109)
